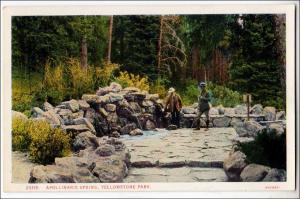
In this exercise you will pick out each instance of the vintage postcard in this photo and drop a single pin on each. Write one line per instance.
(153, 97)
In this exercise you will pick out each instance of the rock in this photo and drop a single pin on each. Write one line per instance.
(189, 116)
(257, 109)
(53, 118)
(278, 128)
(150, 125)
(110, 107)
(112, 117)
(242, 140)
(254, 173)
(72, 105)
(103, 112)
(172, 127)
(114, 97)
(124, 112)
(195, 105)
(221, 121)
(234, 164)
(240, 110)
(129, 97)
(252, 128)
(105, 164)
(139, 96)
(91, 98)
(90, 114)
(115, 134)
(105, 150)
(132, 89)
(86, 122)
(65, 112)
(37, 112)
(188, 110)
(135, 107)
(229, 111)
(84, 140)
(78, 114)
(269, 113)
(235, 121)
(280, 115)
(16, 114)
(83, 105)
(213, 111)
(275, 175)
(136, 132)
(128, 128)
(153, 97)
(76, 128)
(115, 87)
(221, 109)
(47, 106)
(147, 103)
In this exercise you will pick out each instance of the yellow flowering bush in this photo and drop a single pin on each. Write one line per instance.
(130, 80)
(20, 136)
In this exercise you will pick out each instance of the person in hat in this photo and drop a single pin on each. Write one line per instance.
(203, 104)
(174, 105)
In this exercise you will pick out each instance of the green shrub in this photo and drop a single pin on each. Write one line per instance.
(268, 148)
(130, 80)
(47, 143)
(20, 136)
(159, 87)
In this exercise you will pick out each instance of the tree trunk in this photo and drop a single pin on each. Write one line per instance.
(111, 19)
(159, 45)
(83, 53)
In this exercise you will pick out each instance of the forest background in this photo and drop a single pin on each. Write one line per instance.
(56, 58)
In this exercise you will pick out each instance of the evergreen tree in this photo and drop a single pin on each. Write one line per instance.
(254, 67)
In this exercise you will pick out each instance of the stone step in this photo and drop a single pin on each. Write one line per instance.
(177, 164)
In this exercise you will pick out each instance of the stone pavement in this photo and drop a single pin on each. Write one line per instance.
(182, 155)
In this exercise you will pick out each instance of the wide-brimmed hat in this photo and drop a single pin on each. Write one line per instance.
(171, 90)
(202, 84)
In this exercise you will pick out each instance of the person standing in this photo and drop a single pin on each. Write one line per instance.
(174, 105)
(203, 105)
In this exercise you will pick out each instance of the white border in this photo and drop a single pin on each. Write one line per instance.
(120, 8)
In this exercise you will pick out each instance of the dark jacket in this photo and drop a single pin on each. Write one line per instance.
(203, 101)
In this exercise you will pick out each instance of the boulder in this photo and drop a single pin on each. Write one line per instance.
(257, 109)
(115, 87)
(254, 173)
(195, 105)
(252, 128)
(105, 150)
(269, 113)
(110, 107)
(37, 112)
(149, 125)
(65, 112)
(53, 118)
(172, 127)
(129, 97)
(147, 103)
(136, 132)
(91, 98)
(83, 105)
(90, 114)
(135, 107)
(153, 97)
(104, 99)
(236, 121)
(72, 105)
(221, 121)
(188, 110)
(132, 89)
(213, 111)
(240, 110)
(234, 164)
(114, 97)
(47, 106)
(242, 140)
(16, 114)
(280, 115)
(275, 175)
(115, 134)
(127, 128)
(112, 117)
(103, 112)
(229, 111)
(76, 128)
(78, 114)
(84, 140)
(277, 127)
(139, 96)
(189, 116)
(107, 163)
(86, 122)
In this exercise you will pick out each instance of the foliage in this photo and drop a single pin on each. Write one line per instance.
(255, 68)
(159, 87)
(46, 142)
(43, 142)
(268, 149)
(20, 136)
(130, 80)
(104, 75)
